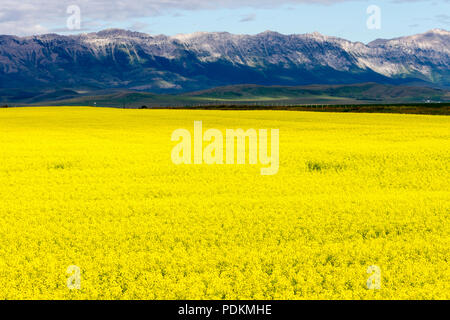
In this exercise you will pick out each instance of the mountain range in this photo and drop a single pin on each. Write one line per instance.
(124, 60)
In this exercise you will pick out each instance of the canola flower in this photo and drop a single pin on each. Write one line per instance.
(97, 189)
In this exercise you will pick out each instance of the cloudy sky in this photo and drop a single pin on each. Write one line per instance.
(343, 18)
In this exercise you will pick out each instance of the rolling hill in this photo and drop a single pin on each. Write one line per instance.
(366, 93)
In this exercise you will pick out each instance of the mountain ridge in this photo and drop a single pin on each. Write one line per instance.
(122, 59)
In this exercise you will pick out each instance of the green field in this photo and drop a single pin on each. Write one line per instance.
(370, 97)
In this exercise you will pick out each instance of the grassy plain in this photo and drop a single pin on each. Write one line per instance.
(97, 188)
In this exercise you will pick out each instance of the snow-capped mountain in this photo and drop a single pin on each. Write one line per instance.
(124, 59)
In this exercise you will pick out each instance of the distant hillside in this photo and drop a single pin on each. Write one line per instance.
(366, 93)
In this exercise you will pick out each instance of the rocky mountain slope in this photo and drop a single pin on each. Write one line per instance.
(124, 59)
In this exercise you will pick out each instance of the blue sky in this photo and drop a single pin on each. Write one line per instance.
(346, 20)
(342, 18)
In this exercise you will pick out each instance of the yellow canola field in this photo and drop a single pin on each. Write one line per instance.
(96, 188)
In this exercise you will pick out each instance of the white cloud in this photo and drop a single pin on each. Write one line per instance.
(19, 28)
(38, 16)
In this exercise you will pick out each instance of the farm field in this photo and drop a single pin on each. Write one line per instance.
(96, 188)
